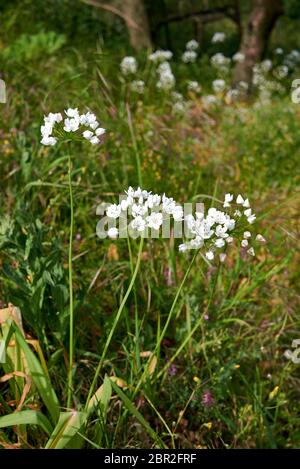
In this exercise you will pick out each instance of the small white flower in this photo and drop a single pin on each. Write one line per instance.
(251, 252)
(71, 125)
(210, 255)
(260, 238)
(166, 81)
(240, 200)
(155, 220)
(238, 57)
(219, 85)
(228, 199)
(229, 240)
(189, 56)
(219, 243)
(138, 224)
(88, 134)
(72, 113)
(128, 65)
(246, 203)
(248, 212)
(100, 131)
(247, 234)
(113, 233)
(251, 219)
(138, 86)
(113, 211)
(94, 140)
(194, 86)
(46, 129)
(244, 243)
(48, 141)
(192, 45)
(160, 56)
(218, 37)
(94, 125)
(222, 257)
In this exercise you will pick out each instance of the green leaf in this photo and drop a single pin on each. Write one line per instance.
(101, 398)
(39, 377)
(26, 417)
(133, 410)
(67, 427)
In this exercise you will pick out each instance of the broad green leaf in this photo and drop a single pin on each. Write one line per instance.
(40, 378)
(101, 397)
(67, 427)
(26, 417)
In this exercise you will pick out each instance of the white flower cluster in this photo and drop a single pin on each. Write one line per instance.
(218, 37)
(179, 108)
(193, 86)
(71, 123)
(216, 230)
(146, 209)
(219, 85)
(160, 56)
(292, 59)
(47, 128)
(128, 66)
(295, 354)
(219, 61)
(209, 100)
(189, 56)
(166, 78)
(138, 86)
(281, 72)
(238, 57)
(192, 45)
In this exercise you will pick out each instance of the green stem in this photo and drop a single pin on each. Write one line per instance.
(116, 320)
(159, 340)
(71, 306)
(136, 151)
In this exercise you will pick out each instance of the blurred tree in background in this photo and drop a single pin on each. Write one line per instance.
(157, 23)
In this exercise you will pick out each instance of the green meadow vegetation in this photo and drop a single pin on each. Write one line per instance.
(131, 342)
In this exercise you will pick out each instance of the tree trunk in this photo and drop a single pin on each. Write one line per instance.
(134, 14)
(255, 37)
(138, 26)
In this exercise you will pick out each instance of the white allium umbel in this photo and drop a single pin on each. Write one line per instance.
(209, 100)
(194, 86)
(160, 56)
(220, 62)
(192, 45)
(143, 210)
(219, 85)
(128, 66)
(138, 86)
(166, 80)
(179, 108)
(189, 56)
(238, 57)
(218, 37)
(294, 355)
(214, 231)
(72, 122)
